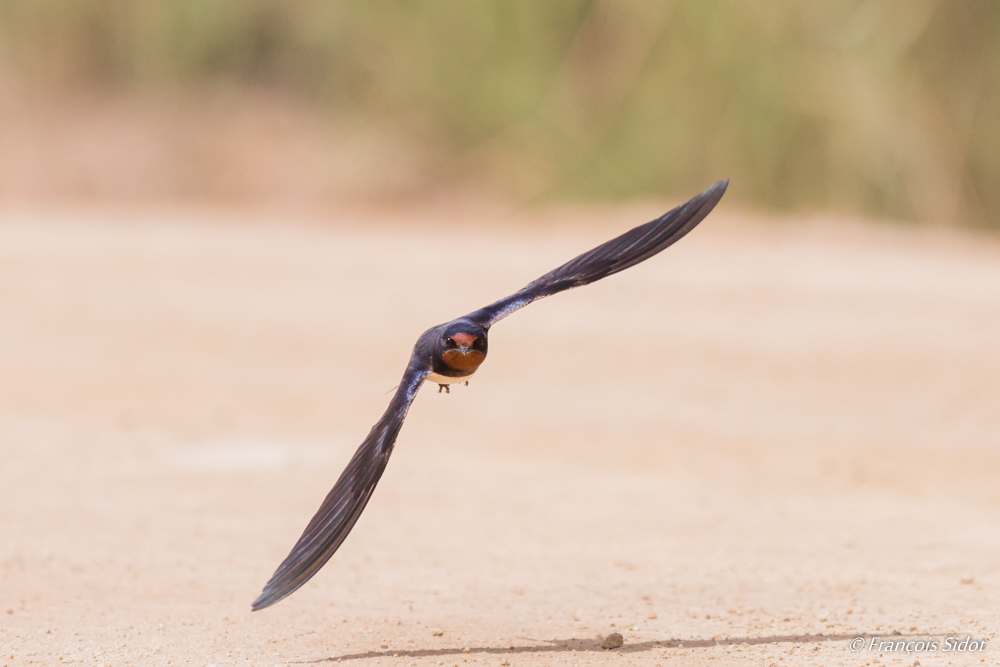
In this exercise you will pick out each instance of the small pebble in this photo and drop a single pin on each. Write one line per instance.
(614, 640)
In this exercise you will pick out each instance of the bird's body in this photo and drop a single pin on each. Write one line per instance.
(446, 381)
(450, 353)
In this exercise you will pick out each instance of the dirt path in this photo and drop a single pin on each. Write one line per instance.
(750, 450)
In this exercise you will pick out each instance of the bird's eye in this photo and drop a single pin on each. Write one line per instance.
(449, 342)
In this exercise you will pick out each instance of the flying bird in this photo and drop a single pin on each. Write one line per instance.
(449, 354)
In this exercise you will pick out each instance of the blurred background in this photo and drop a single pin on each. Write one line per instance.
(873, 108)
(223, 223)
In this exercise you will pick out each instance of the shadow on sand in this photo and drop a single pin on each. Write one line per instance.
(576, 644)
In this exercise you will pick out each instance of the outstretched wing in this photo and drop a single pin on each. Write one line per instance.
(616, 255)
(345, 502)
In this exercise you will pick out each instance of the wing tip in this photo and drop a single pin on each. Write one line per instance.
(708, 199)
(717, 189)
(263, 601)
(276, 590)
(269, 596)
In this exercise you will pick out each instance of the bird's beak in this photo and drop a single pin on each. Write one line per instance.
(464, 349)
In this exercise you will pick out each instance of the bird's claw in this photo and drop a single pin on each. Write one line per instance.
(445, 387)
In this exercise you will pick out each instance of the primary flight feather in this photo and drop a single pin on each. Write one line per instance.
(448, 354)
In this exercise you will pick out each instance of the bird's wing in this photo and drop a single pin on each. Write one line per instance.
(345, 502)
(616, 255)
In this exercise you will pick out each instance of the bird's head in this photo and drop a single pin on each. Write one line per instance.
(462, 347)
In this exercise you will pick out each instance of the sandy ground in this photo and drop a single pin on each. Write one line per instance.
(768, 441)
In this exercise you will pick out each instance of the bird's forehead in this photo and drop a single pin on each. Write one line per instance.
(463, 338)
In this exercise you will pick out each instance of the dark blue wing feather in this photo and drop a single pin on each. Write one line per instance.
(349, 496)
(345, 502)
(616, 255)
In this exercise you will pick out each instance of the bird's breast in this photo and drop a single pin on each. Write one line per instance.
(463, 363)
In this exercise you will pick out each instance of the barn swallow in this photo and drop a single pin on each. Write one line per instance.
(449, 354)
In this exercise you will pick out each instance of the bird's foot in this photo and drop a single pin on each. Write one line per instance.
(466, 383)
(445, 387)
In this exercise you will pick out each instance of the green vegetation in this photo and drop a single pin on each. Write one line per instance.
(879, 107)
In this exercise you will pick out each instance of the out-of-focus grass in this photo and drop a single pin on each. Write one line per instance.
(879, 107)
